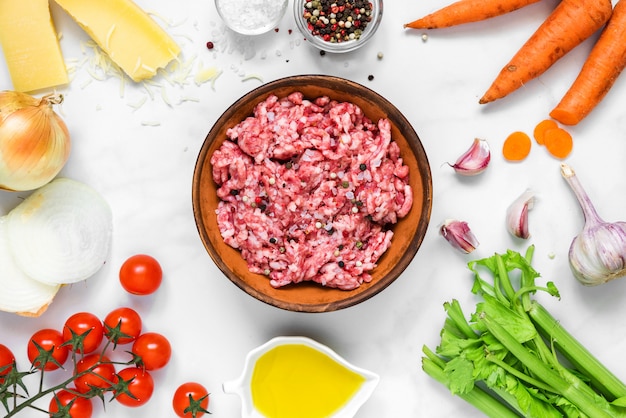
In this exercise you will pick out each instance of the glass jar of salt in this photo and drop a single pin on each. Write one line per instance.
(251, 17)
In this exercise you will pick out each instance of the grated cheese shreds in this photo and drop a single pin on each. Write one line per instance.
(138, 104)
(180, 73)
(205, 74)
(252, 77)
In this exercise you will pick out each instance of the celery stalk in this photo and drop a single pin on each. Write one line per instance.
(511, 345)
(601, 378)
(477, 397)
(578, 397)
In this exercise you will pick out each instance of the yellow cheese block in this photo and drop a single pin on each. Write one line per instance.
(131, 38)
(30, 45)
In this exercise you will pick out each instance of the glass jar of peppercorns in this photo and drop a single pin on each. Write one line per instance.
(338, 25)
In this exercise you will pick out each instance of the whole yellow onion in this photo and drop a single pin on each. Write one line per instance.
(34, 140)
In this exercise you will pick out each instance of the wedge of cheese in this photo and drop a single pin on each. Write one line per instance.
(131, 38)
(30, 45)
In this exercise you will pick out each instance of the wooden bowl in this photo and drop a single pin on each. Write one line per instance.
(308, 296)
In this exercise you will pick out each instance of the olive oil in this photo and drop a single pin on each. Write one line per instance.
(295, 380)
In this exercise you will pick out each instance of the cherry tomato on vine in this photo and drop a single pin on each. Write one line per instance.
(81, 323)
(102, 373)
(125, 321)
(141, 274)
(141, 386)
(154, 349)
(199, 402)
(80, 408)
(48, 339)
(6, 361)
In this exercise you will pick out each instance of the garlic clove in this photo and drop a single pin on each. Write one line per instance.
(459, 235)
(517, 215)
(475, 160)
(598, 254)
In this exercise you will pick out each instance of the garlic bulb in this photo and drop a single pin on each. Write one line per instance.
(34, 140)
(473, 161)
(598, 254)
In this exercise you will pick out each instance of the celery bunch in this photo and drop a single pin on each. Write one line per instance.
(512, 358)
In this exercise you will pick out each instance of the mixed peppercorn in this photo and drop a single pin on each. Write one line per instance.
(337, 20)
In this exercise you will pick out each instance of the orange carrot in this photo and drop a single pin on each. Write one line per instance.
(467, 11)
(558, 142)
(516, 146)
(541, 128)
(604, 64)
(569, 24)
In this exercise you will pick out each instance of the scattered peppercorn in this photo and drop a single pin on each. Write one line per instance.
(234, 192)
(210, 45)
(272, 240)
(341, 264)
(322, 52)
(362, 167)
(370, 77)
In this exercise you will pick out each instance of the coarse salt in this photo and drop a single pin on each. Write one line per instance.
(251, 17)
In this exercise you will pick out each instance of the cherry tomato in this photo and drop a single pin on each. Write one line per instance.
(154, 349)
(47, 339)
(128, 321)
(141, 386)
(81, 323)
(141, 275)
(200, 395)
(102, 375)
(81, 407)
(6, 361)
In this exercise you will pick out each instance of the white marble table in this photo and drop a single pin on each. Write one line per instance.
(142, 161)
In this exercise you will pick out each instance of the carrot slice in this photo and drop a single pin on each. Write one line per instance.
(516, 146)
(602, 67)
(467, 11)
(558, 142)
(541, 128)
(571, 22)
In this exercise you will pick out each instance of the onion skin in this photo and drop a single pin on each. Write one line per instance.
(34, 141)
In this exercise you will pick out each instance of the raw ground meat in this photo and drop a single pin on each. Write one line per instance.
(309, 189)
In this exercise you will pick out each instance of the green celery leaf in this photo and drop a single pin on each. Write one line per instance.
(460, 375)
(621, 402)
(528, 401)
(517, 325)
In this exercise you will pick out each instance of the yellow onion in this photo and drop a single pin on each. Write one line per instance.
(34, 140)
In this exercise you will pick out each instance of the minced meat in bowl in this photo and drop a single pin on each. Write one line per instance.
(312, 193)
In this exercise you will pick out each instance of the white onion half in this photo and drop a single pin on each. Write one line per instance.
(61, 233)
(18, 292)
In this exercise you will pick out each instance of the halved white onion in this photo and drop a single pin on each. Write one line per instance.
(18, 292)
(61, 233)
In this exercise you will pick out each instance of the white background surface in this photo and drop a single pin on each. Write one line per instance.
(144, 170)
